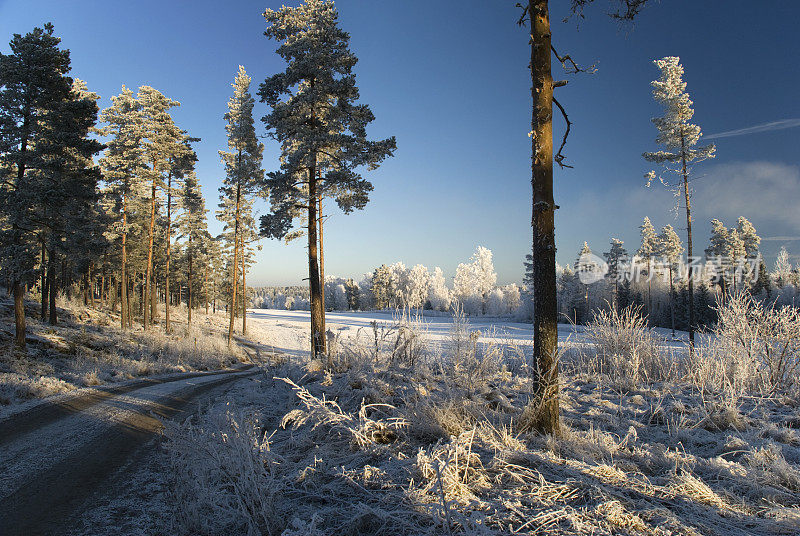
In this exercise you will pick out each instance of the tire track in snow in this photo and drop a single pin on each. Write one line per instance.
(49, 472)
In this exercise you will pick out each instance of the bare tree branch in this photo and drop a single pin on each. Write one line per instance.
(569, 65)
(558, 157)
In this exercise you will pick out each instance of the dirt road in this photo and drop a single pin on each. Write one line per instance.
(57, 456)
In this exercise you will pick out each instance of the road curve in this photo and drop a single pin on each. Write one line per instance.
(56, 455)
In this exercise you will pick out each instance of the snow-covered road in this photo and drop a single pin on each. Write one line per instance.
(59, 456)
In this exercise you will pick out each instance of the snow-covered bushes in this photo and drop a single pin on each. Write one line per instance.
(624, 347)
(762, 342)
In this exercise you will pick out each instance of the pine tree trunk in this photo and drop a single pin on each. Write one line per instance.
(147, 320)
(649, 291)
(545, 329)
(85, 289)
(44, 283)
(19, 314)
(53, 284)
(244, 292)
(91, 285)
(153, 301)
(189, 291)
(205, 288)
(124, 302)
(688, 243)
(317, 314)
(232, 308)
(169, 239)
(321, 261)
(671, 301)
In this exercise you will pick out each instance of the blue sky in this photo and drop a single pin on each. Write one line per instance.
(449, 80)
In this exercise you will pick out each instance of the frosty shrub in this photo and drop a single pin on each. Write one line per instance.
(624, 347)
(761, 343)
(226, 477)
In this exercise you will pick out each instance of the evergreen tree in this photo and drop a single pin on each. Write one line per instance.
(33, 86)
(242, 174)
(680, 138)
(616, 259)
(122, 164)
(192, 227)
(671, 249)
(646, 251)
(313, 112)
(381, 286)
(162, 142)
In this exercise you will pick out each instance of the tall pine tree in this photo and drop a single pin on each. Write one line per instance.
(321, 128)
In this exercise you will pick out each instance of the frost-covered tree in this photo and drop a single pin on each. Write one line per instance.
(647, 251)
(782, 274)
(316, 119)
(680, 138)
(616, 259)
(380, 286)
(475, 280)
(671, 249)
(162, 140)
(243, 174)
(749, 236)
(192, 227)
(33, 83)
(719, 252)
(417, 287)
(122, 163)
(438, 293)
(67, 213)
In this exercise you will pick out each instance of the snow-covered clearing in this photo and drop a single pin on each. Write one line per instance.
(288, 331)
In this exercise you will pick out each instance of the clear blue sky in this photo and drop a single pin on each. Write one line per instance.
(449, 80)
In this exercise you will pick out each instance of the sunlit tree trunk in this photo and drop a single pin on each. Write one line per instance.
(44, 283)
(169, 240)
(147, 319)
(545, 330)
(232, 308)
(688, 242)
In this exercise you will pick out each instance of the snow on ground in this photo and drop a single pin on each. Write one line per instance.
(288, 331)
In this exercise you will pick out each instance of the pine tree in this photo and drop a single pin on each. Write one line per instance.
(242, 174)
(719, 251)
(680, 138)
(616, 258)
(33, 84)
(162, 142)
(192, 227)
(671, 249)
(122, 166)
(646, 251)
(782, 275)
(315, 118)
(180, 166)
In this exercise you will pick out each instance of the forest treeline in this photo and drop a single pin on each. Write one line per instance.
(652, 278)
(106, 203)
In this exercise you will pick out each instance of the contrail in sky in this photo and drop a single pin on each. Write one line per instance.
(766, 127)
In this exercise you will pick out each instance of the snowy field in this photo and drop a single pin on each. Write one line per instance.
(287, 331)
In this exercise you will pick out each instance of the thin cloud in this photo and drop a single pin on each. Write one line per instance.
(765, 127)
(780, 238)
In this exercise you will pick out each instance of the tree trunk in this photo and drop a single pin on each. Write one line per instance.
(244, 292)
(545, 330)
(147, 320)
(688, 243)
(321, 260)
(232, 308)
(44, 284)
(52, 282)
(189, 291)
(205, 288)
(169, 239)
(19, 314)
(317, 314)
(125, 305)
(671, 301)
